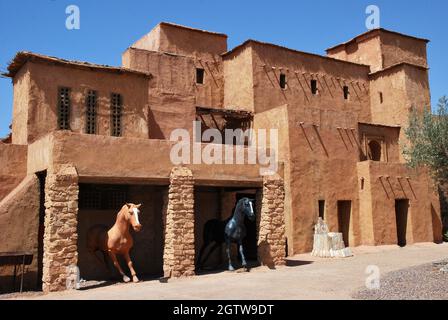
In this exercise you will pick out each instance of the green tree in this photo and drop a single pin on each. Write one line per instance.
(428, 146)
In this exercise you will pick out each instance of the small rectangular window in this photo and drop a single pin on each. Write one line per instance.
(314, 89)
(283, 81)
(64, 108)
(200, 76)
(116, 112)
(346, 92)
(91, 102)
(381, 98)
(322, 209)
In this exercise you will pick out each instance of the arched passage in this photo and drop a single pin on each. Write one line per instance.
(375, 150)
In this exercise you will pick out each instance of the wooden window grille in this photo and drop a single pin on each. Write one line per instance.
(91, 112)
(64, 108)
(116, 112)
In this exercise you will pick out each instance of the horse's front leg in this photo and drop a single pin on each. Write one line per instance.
(231, 268)
(243, 258)
(117, 265)
(131, 267)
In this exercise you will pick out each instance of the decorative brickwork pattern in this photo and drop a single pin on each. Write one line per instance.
(179, 253)
(271, 236)
(61, 236)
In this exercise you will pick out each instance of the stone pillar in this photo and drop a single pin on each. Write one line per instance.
(271, 235)
(179, 251)
(61, 234)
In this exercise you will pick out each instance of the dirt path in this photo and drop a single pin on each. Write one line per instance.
(305, 278)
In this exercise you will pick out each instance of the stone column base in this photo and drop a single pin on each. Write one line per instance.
(61, 222)
(179, 250)
(271, 235)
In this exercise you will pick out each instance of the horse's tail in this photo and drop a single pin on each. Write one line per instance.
(96, 241)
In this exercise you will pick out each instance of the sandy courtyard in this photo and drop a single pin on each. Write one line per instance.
(305, 277)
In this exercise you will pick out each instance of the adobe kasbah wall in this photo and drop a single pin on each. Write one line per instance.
(338, 156)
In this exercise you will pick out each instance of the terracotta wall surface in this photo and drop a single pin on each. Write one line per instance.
(300, 68)
(381, 49)
(19, 216)
(385, 183)
(12, 167)
(21, 101)
(166, 37)
(278, 118)
(171, 91)
(203, 50)
(131, 159)
(397, 49)
(45, 80)
(239, 81)
(365, 51)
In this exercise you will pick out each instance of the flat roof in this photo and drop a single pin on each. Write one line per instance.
(371, 32)
(191, 29)
(247, 42)
(380, 125)
(23, 57)
(398, 65)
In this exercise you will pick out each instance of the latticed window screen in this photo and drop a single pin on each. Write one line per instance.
(102, 197)
(116, 112)
(91, 102)
(64, 108)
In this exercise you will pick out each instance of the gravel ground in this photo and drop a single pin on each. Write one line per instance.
(424, 282)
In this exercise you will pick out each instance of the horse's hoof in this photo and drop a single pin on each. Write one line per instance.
(231, 268)
(126, 279)
(135, 279)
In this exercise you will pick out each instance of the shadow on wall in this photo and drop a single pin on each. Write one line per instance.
(264, 249)
(443, 197)
(7, 280)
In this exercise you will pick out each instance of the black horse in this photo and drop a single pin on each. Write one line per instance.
(229, 231)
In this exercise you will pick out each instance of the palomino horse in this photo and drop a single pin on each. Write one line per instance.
(229, 231)
(118, 239)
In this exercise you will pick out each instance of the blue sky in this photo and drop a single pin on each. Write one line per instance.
(108, 27)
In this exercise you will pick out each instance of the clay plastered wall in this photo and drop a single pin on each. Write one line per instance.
(322, 167)
(278, 118)
(189, 42)
(204, 48)
(150, 41)
(300, 68)
(19, 221)
(365, 51)
(140, 160)
(389, 182)
(46, 79)
(171, 93)
(12, 167)
(393, 110)
(238, 75)
(403, 88)
(417, 87)
(396, 49)
(20, 106)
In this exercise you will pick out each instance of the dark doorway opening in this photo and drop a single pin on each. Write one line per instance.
(401, 213)
(344, 215)
(375, 150)
(40, 234)
(322, 209)
(219, 203)
(99, 204)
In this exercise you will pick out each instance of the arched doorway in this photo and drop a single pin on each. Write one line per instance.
(375, 150)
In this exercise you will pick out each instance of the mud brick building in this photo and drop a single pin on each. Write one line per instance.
(87, 138)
